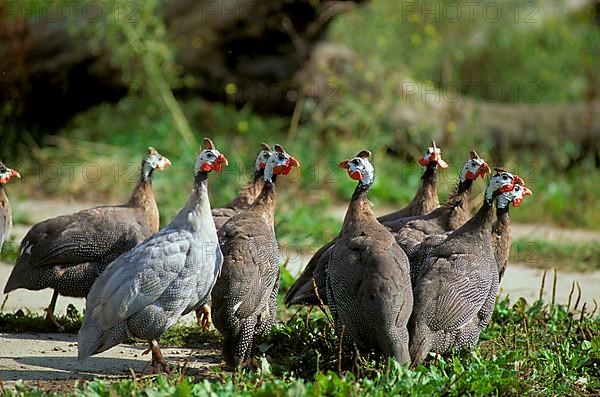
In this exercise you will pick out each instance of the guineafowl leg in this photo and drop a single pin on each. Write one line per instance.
(50, 312)
(204, 317)
(157, 358)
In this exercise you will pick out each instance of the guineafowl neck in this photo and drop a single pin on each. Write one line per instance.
(461, 192)
(5, 209)
(196, 215)
(481, 222)
(359, 209)
(266, 201)
(501, 232)
(426, 199)
(3, 198)
(143, 198)
(459, 204)
(249, 193)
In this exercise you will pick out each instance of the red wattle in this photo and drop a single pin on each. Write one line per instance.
(507, 187)
(356, 175)
(206, 167)
(423, 161)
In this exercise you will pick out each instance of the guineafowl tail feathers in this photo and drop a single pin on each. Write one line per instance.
(17, 275)
(92, 340)
(303, 295)
(89, 338)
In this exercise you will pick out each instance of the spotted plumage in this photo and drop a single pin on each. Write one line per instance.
(244, 297)
(368, 284)
(457, 282)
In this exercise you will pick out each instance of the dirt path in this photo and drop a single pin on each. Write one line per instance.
(54, 357)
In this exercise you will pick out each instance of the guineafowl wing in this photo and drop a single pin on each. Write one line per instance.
(93, 235)
(139, 277)
(453, 290)
(250, 250)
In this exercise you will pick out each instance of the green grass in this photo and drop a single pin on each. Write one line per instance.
(574, 257)
(528, 349)
(10, 250)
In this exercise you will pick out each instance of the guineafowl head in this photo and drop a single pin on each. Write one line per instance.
(515, 196)
(6, 174)
(280, 163)
(433, 157)
(502, 182)
(153, 161)
(360, 168)
(210, 159)
(262, 157)
(474, 167)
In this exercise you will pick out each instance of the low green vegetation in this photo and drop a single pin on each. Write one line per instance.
(574, 257)
(528, 349)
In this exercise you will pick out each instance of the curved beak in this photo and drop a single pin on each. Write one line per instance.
(292, 162)
(527, 191)
(163, 163)
(15, 173)
(483, 170)
(222, 160)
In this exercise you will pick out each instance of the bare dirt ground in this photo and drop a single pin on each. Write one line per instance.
(50, 360)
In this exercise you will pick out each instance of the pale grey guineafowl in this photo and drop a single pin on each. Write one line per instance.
(457, 281)
(68, 252)
(244, 297)
(144, 291)
(368, 281)
(5, 212)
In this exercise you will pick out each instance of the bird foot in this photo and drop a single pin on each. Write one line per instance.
(50, 317)
(159, 364)
(204, 317)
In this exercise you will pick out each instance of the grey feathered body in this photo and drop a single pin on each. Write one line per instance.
(368, 284)
(455, 290)
(5, 216)
(244, 297)
(144, 291)
(67, 253)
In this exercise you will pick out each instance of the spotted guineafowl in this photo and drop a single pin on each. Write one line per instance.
(144, 291)
(243, 300)
(457, 281)
(67, 253)
(368, 282)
